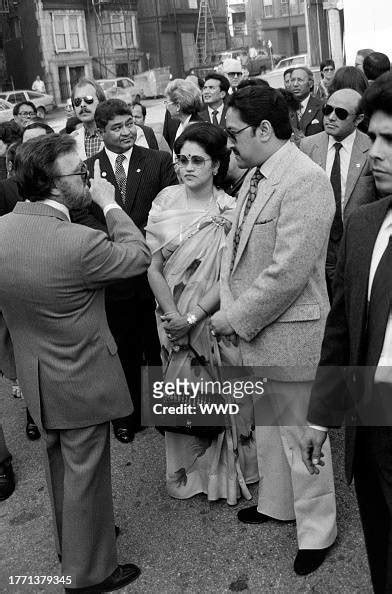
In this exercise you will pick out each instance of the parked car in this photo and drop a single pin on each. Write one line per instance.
(42, 101)
(275, 77)
(121, 88)
(5, 111)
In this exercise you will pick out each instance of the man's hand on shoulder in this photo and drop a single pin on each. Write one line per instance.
(102, 192)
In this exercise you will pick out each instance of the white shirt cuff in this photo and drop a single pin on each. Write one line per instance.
(110, 207)
(318, 427)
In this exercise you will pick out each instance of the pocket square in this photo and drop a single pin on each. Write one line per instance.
(315, 121)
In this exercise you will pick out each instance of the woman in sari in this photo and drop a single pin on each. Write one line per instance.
(186, 232)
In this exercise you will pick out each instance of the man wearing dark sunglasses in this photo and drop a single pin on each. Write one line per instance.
(342, 151)
(86, 96)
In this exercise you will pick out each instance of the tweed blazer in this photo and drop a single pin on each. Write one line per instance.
(360, 186)
(52, 278)
(275, 296)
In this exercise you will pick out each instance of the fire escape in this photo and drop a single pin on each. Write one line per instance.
(108, 30)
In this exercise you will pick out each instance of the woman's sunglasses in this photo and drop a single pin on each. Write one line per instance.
(340, 112)
(78, 100)
(195, 160)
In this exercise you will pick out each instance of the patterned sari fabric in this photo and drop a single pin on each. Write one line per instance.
(191, 242)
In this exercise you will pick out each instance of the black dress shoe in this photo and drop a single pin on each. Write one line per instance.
(250, 515)
(123, 434)
(32, 431)
(308, 560)
(123, 575)
(117, 531)
(7, 480)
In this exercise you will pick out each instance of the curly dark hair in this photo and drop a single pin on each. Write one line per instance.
(213, 141)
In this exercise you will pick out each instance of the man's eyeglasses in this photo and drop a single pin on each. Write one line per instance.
(26, 114)
(328, 69)
(196, 161)
(83, 172)
(234, 73)
(89, 99)
(340, 112)
(233, 134)
(167, 102)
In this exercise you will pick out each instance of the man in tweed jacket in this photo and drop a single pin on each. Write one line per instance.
(52, 279)
(274, 298)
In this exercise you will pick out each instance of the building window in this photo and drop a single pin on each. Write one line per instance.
(68, 30)
(123, 28)
(284, 7)
(268, 11)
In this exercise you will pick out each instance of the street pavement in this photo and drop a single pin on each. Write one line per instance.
(183, 547)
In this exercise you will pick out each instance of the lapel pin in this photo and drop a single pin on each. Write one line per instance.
(357, 164)
(103, 173)
(138, 170)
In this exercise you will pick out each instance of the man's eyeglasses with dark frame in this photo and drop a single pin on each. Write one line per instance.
(83, 172)
(232, 134)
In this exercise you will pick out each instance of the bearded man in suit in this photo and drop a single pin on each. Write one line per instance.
(138, 175)
(274, 298)
(52, 279)
(342, 151)
(354, 380)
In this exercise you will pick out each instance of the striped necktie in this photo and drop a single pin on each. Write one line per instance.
(215, 117)
(121, 177)
(253, 186)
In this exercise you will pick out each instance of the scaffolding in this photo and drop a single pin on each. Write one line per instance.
(112, 23)
(205, 34)
(4, 6)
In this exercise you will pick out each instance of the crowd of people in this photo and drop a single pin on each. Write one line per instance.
(252, 235)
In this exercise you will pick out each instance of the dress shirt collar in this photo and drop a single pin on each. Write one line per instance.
(113, 156)
(269, 166)
(218, 109)
(304, 104)
(347, 143)
(57, 206)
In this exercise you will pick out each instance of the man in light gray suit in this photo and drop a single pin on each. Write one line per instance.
(52, 278)
(274, 298)
(342, 151)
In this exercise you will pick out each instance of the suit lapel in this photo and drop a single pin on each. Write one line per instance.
(357, 163)
(308, 115)
(108, 173)
(135, 173)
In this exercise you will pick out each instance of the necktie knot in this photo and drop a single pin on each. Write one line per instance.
(337, 146)
(215, 112)
(255, 179)
(120, 159)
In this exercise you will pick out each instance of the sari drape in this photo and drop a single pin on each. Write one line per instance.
(191, 242)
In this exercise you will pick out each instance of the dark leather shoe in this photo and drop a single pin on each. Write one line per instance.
(7, 480)
(308, 560)
(250, 515)
(32, 431)
(123, 575)
(123, 434)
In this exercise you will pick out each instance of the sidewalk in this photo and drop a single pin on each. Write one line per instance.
(186, 547)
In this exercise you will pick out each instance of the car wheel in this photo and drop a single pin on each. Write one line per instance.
(41, 112)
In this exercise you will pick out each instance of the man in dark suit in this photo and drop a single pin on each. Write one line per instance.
(342, 151)
(52, 279)
(354, 380)
(309, 114)
(215, 92)
(138, 175)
